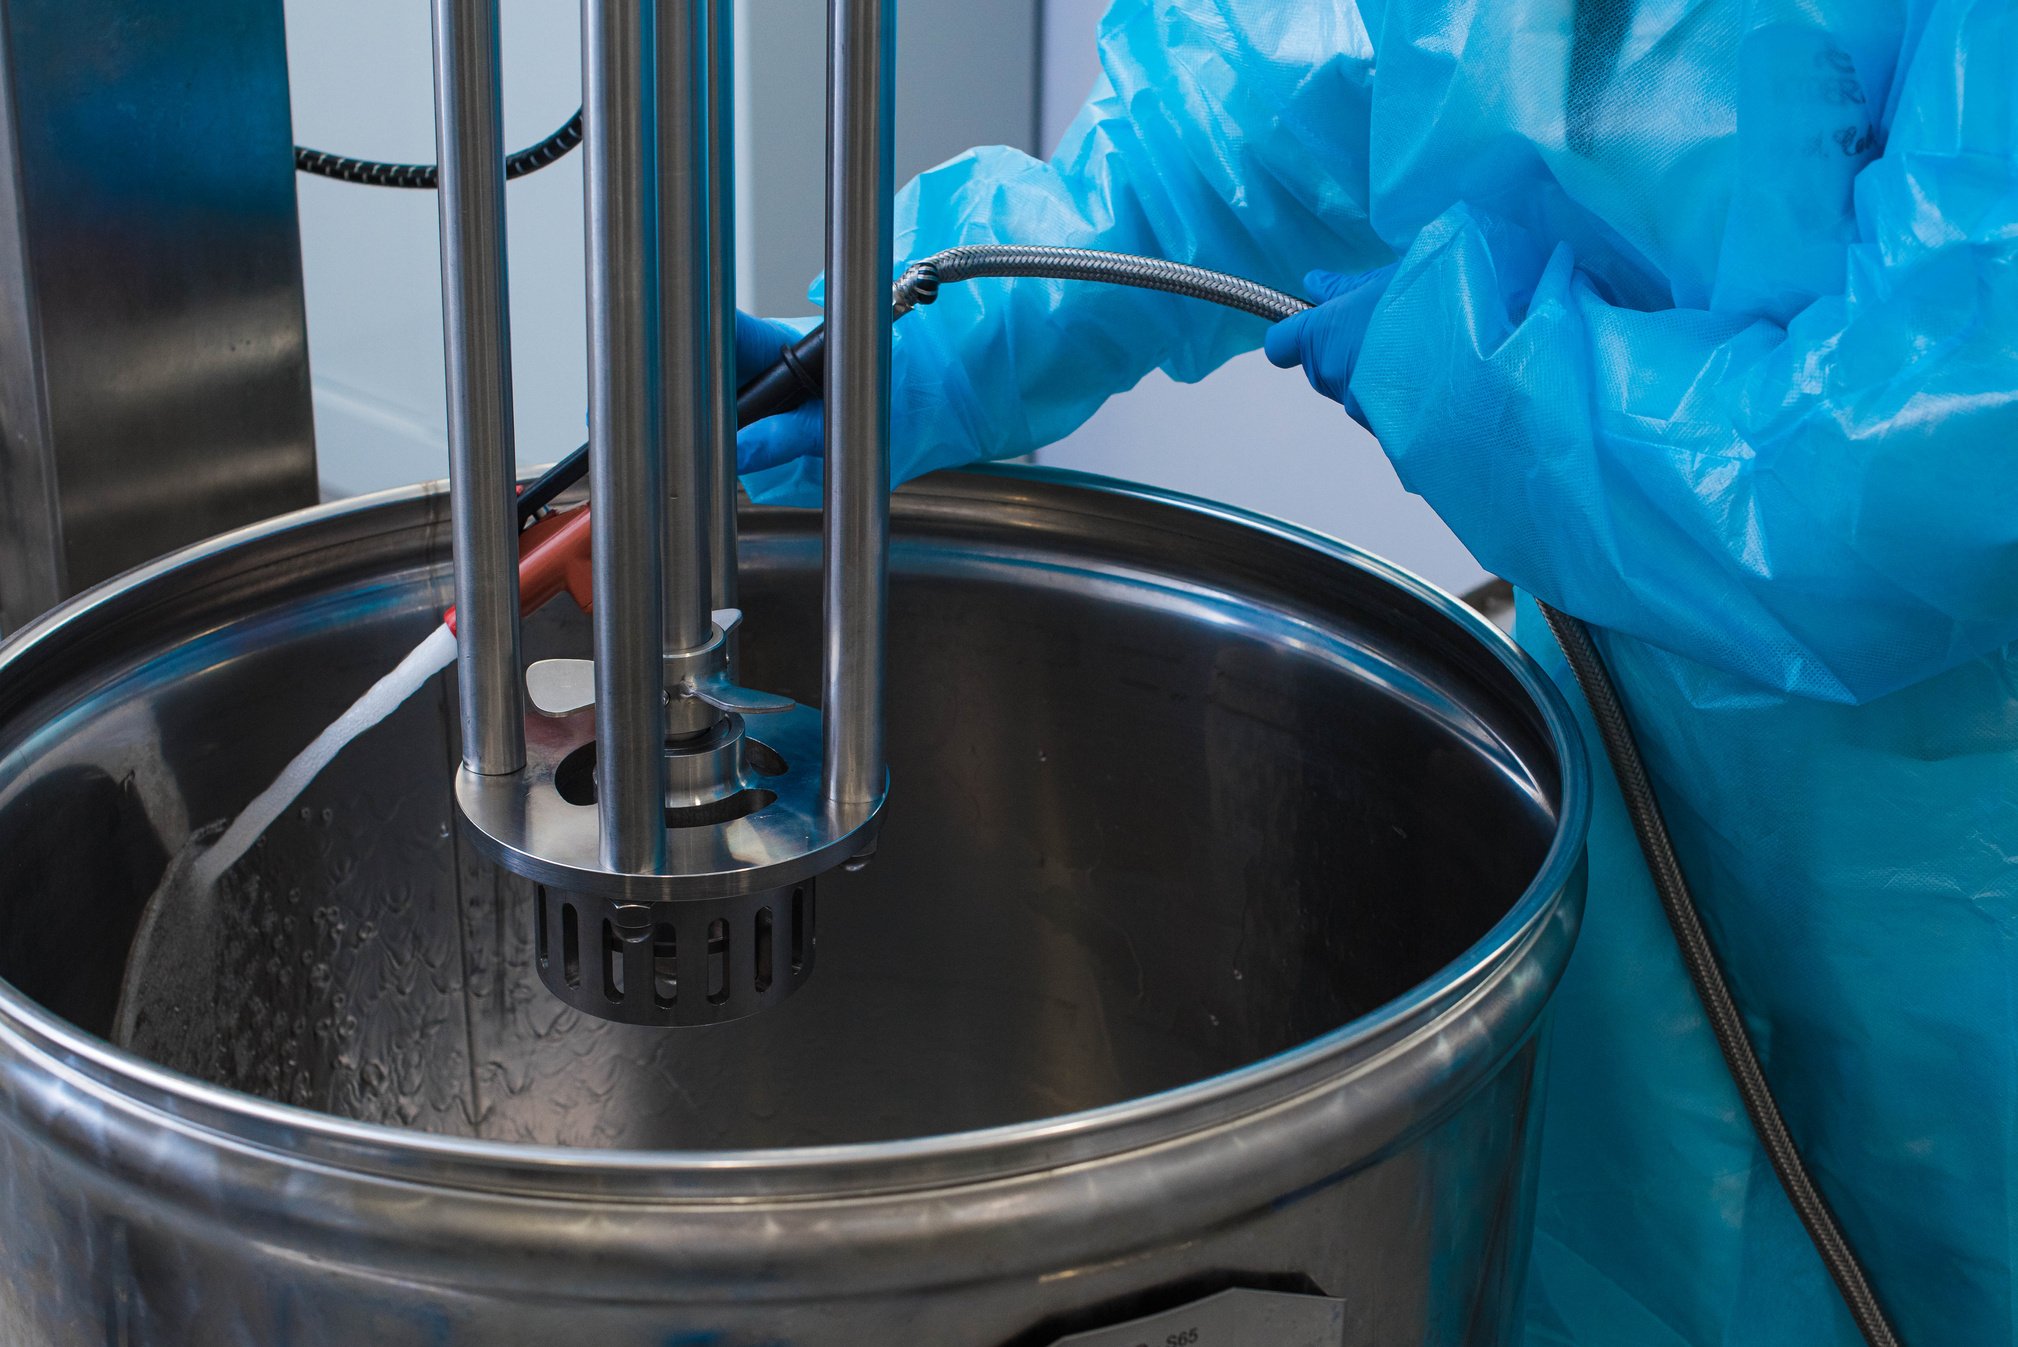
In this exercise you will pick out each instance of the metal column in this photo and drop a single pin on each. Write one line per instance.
(860, 90)
(627, 478)
(476, 321)
(723, 378)
(687, 337)
(153, 358)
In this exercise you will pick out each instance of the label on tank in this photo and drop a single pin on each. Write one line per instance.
(1230, 1319)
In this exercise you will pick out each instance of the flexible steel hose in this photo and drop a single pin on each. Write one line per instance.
(797, 376)
(921, 280)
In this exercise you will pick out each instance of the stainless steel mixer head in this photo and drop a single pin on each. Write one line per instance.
(674, 822)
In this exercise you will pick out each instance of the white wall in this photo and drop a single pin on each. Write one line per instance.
(967, 75)
(361, 86)
(1250, 434)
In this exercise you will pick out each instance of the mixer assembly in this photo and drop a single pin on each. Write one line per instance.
(1147, 1035)
(1218, 1019)
(675, 824)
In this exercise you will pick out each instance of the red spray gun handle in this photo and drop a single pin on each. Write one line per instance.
(553, 557)
(554, 553)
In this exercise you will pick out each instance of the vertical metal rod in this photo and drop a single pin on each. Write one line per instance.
(626, 470)
(722, 296)
(860, 94)
(476, 325)
(686, 334)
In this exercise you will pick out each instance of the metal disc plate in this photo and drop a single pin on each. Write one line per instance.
(523, 822)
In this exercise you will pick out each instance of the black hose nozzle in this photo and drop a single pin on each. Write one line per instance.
(799, 377)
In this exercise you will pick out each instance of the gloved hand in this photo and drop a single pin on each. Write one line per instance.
(1326, 340)
(935, 417)
(776, 439)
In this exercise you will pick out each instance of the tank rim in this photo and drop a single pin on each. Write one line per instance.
(111, 1076)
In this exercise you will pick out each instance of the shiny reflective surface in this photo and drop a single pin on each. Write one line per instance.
(476, 331)
(861, 99)
(625, 405)
(722, 381)
(543, 830)
(687, 332)
(1227, 879)
(153, 356)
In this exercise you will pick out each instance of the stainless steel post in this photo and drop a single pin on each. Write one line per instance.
(476, 323)
(626, 471)
(724, 377)
(686, 335)
(861, 50)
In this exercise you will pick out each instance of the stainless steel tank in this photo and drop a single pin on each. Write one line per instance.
(1207, 949)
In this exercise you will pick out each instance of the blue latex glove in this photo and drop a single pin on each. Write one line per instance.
(933, 412)
(1326, 340)
(792, 435)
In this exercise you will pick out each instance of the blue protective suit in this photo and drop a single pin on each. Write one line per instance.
(1702, 324)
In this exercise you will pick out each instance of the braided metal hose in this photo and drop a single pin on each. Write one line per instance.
(797, 376)
(373, 173)
(921, 280)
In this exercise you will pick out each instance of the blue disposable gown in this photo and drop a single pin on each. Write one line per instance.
(1704, 327)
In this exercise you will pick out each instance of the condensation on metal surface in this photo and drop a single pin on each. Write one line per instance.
(1128, 899)
(1134, 894)
(1174, 790)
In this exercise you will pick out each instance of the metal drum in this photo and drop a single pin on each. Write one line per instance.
(1194, 995)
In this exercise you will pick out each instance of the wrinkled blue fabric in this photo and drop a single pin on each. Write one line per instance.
(1702, 324)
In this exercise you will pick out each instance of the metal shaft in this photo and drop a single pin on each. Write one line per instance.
(626, 470)
(476, 325)
(687, 334)
(860, 94)
(724, 378)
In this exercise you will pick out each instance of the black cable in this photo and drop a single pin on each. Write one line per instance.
(794, 381)
(373, 173)
(549, 484)
(1700, 957)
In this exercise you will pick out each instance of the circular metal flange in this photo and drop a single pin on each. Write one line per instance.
(728, 929)
(526, 824)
